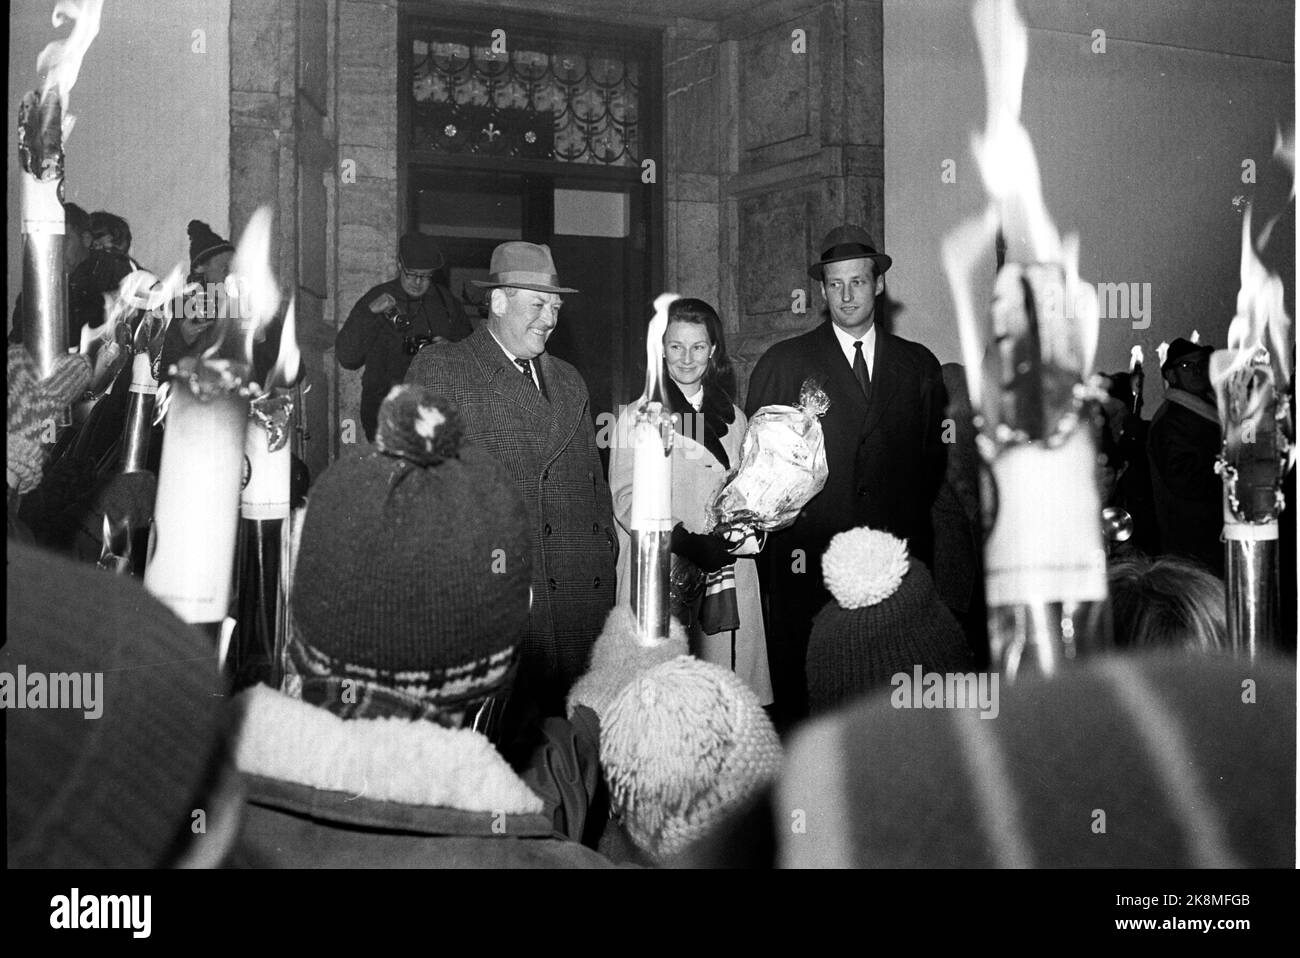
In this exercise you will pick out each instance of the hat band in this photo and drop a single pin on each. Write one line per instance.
(848, 251)
(521, 277)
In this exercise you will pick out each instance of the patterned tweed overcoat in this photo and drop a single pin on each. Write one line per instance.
(549, 446)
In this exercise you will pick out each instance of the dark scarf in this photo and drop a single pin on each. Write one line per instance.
(710, 424)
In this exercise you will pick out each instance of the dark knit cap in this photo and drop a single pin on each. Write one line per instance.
(205, 244)
(885, 617)
(413, 574)
(118, 789)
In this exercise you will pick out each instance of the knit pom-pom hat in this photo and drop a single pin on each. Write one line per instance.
(885, 617)
(862, 567)
(682, 745)
(205, 243)
(411, 589)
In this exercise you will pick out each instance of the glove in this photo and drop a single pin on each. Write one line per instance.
(708, 553)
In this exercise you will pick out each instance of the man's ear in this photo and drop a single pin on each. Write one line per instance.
(880, 284)
(497, 301)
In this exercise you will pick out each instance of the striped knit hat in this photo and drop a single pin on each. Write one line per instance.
(682, 745)
(411, 589)
(1146, 761)
(885, 617)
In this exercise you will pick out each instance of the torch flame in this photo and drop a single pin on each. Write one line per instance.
(251, 285)
(1009, 169)
(654, 347)
(1196, 336)
(60, 62)
(1135, 358)
(1162, 351)
(1261, 321)
(285, 370)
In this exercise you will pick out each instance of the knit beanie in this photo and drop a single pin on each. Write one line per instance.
(682, 745)
(1150, 760)
(34, 406)
(205, 244)
(411, 590)
(107, 767)
(885, 617)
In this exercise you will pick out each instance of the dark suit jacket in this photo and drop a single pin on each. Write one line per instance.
(886, 458)
(1182, 447)
(886, 461)
(550, 449)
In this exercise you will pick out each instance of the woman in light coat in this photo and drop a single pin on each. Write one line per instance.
(710, 428)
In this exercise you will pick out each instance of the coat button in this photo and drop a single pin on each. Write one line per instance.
(595, 527)
(547, 528)
(546, 475)
(862, 490)
(553, 584)
(596, 584)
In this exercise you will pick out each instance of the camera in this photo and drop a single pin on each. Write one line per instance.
(413, 344)
(401, 322)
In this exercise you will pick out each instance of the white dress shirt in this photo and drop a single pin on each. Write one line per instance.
(532, 363)
(868, 348)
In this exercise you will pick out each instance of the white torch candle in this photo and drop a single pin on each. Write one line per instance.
(196, 514)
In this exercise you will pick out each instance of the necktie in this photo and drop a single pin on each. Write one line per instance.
(527, 366)
(860, 369)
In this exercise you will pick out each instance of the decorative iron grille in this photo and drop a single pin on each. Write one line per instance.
(546, 99)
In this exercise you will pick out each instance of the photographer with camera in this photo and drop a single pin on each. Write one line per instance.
(395, 320)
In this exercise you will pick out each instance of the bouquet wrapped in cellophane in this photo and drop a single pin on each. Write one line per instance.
(782, 466)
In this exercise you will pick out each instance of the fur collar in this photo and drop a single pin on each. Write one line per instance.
(394, 760)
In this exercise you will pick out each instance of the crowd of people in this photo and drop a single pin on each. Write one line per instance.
(464, 682)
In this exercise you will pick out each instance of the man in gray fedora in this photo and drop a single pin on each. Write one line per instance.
(531, 411)
(884, 444)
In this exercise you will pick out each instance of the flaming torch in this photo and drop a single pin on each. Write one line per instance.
(196, 515)
(652, 481)
(261, 575)
(1251, 380)
(1027, 365)
(1136, 378)
(43, 127)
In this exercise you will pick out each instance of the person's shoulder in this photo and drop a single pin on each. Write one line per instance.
(440, 362)
(917, 356)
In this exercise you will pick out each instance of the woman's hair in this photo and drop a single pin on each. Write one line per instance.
(719, 377)
(1168, 602)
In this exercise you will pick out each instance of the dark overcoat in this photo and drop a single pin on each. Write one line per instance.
(549, 447)
(886, 461)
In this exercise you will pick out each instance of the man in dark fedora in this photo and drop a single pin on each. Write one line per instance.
(531, 411)
(395, 320)
(1182, 444)
(884, 444)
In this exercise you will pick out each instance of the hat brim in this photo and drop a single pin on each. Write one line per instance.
(535, 287)
(1200, 350)
(883, 262)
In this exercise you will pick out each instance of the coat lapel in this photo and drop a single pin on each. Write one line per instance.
(884, 381)
(841, 385)
(567, 406)
(504, 377)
